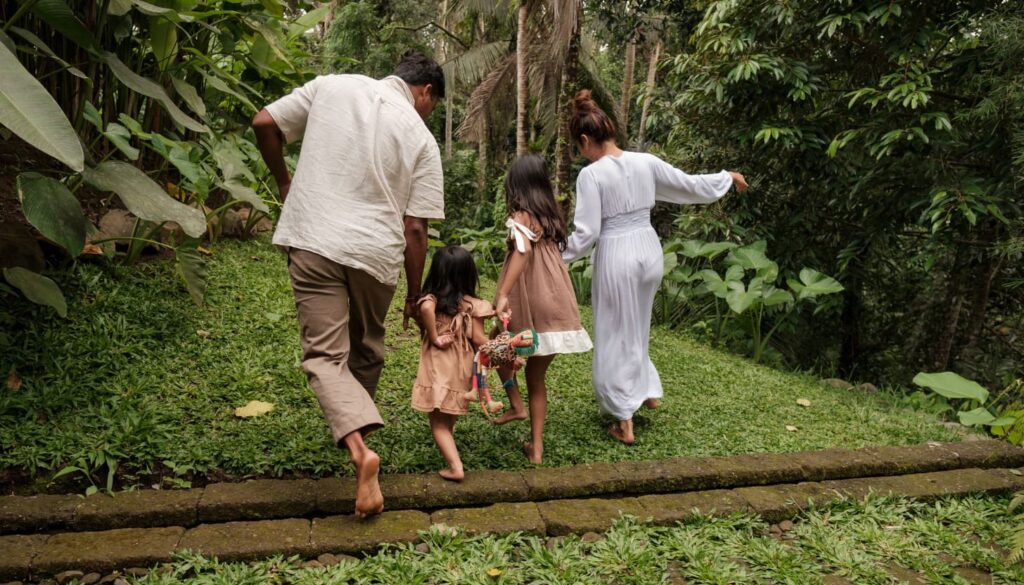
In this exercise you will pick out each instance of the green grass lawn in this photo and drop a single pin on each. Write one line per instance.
(863, 543)
(127, 379)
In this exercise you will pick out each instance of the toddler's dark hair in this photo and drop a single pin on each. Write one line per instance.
(528, 188)
(452, 275)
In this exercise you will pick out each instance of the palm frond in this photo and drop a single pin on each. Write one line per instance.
(473, 65)
(496, 83)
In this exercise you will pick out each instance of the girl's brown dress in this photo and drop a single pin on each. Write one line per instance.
(444, 375)
(543, 298)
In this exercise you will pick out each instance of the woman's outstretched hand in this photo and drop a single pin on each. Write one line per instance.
(739, 181)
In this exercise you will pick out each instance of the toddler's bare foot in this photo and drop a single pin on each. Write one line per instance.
(535, 454)
(620, 434)
(652, 403)
(369, 499)
(452, 475)
(510, 416)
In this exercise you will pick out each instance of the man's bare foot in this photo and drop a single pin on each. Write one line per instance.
(533, 454)
(625, 436)
(510, 416)
(369, 499)
(452, 475)
(652, 403)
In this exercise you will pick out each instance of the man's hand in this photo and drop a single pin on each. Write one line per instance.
(739, 181)
(412, 311)
(283, 189)
(501, 307)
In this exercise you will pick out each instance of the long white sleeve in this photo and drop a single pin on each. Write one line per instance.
(674, 186)
(587, 219)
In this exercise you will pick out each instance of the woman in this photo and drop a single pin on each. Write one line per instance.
(614, 197)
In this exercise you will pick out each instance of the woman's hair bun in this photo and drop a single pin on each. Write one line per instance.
(583, 103)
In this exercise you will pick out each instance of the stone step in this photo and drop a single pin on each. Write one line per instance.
(270, 499)
(40, 556)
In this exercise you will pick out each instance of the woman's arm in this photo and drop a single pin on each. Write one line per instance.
(587, 219)
(674, 186)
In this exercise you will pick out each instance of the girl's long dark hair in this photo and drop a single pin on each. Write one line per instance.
(528, 188)
(452, 275)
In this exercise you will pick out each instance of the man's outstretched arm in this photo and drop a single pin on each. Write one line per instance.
(270, 141)
(415, 258)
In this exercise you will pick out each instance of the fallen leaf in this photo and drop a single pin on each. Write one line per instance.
(202, 333)
(203, 250)
(1016, 472)
(253, 408)
(92, 250)
(494, 572)
(791, 428)
(803, 402)
(13, 381)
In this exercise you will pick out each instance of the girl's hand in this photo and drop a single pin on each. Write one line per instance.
(501, 307)
(739, 181)
(443, 341)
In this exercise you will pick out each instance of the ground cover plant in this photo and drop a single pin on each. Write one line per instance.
(138, 380)
(870, 543)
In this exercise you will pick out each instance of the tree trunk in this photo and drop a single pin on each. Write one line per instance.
(627, 88)
(563, 144)
(522, 146)
(849, 329)
(442, 56)
(652, 72)
(484, 138)
(948, 315)
(978, 307)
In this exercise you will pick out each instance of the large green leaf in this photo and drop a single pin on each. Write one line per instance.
(300, 25)
(752, 258)
(59, 16)
(978, 416)
(39, 44)
(192, 268)
(31, 113)
(119, 7)
(242, 193)
(952, 385)
(37, 288)
(220, 85)
(53, 210)
(697, 248)
(714, 283)
(229, 160)
(741, 297)
(121, 138)
(774, 296)
(163, 38)
(151, 89)
(190, 96)
(813, 283)
(143, 197)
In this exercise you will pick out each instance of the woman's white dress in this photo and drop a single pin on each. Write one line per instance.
(614, 197)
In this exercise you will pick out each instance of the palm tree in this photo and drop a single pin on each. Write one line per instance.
(652, 72)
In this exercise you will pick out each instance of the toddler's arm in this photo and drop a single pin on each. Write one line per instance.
(479, 332)
(427, 308)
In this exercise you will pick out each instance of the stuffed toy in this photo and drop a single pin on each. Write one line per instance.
(504, 350)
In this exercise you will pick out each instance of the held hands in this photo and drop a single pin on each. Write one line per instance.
(501, 307)
(739, 181)
(411, 311)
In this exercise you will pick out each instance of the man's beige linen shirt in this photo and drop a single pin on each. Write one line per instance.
(367, 161)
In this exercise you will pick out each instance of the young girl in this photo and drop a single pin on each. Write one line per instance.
(534, 289)
(453, 328)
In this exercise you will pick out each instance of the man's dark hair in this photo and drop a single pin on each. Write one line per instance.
(415, 68)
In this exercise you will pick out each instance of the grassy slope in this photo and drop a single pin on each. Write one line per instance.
(127, 377)
(861, 542)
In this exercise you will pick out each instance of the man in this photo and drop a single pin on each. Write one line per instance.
(368, 179)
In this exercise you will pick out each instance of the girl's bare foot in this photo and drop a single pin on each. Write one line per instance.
(452, 475)
(533, 454)
(510, 416)
(624, 435)
(652, 403)
(369, 499)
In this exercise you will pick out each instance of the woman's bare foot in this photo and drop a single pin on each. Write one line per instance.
(369, 499)
(533, 454)
(452, 475)
(510, 416)
(622, 432)
(652, 403)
